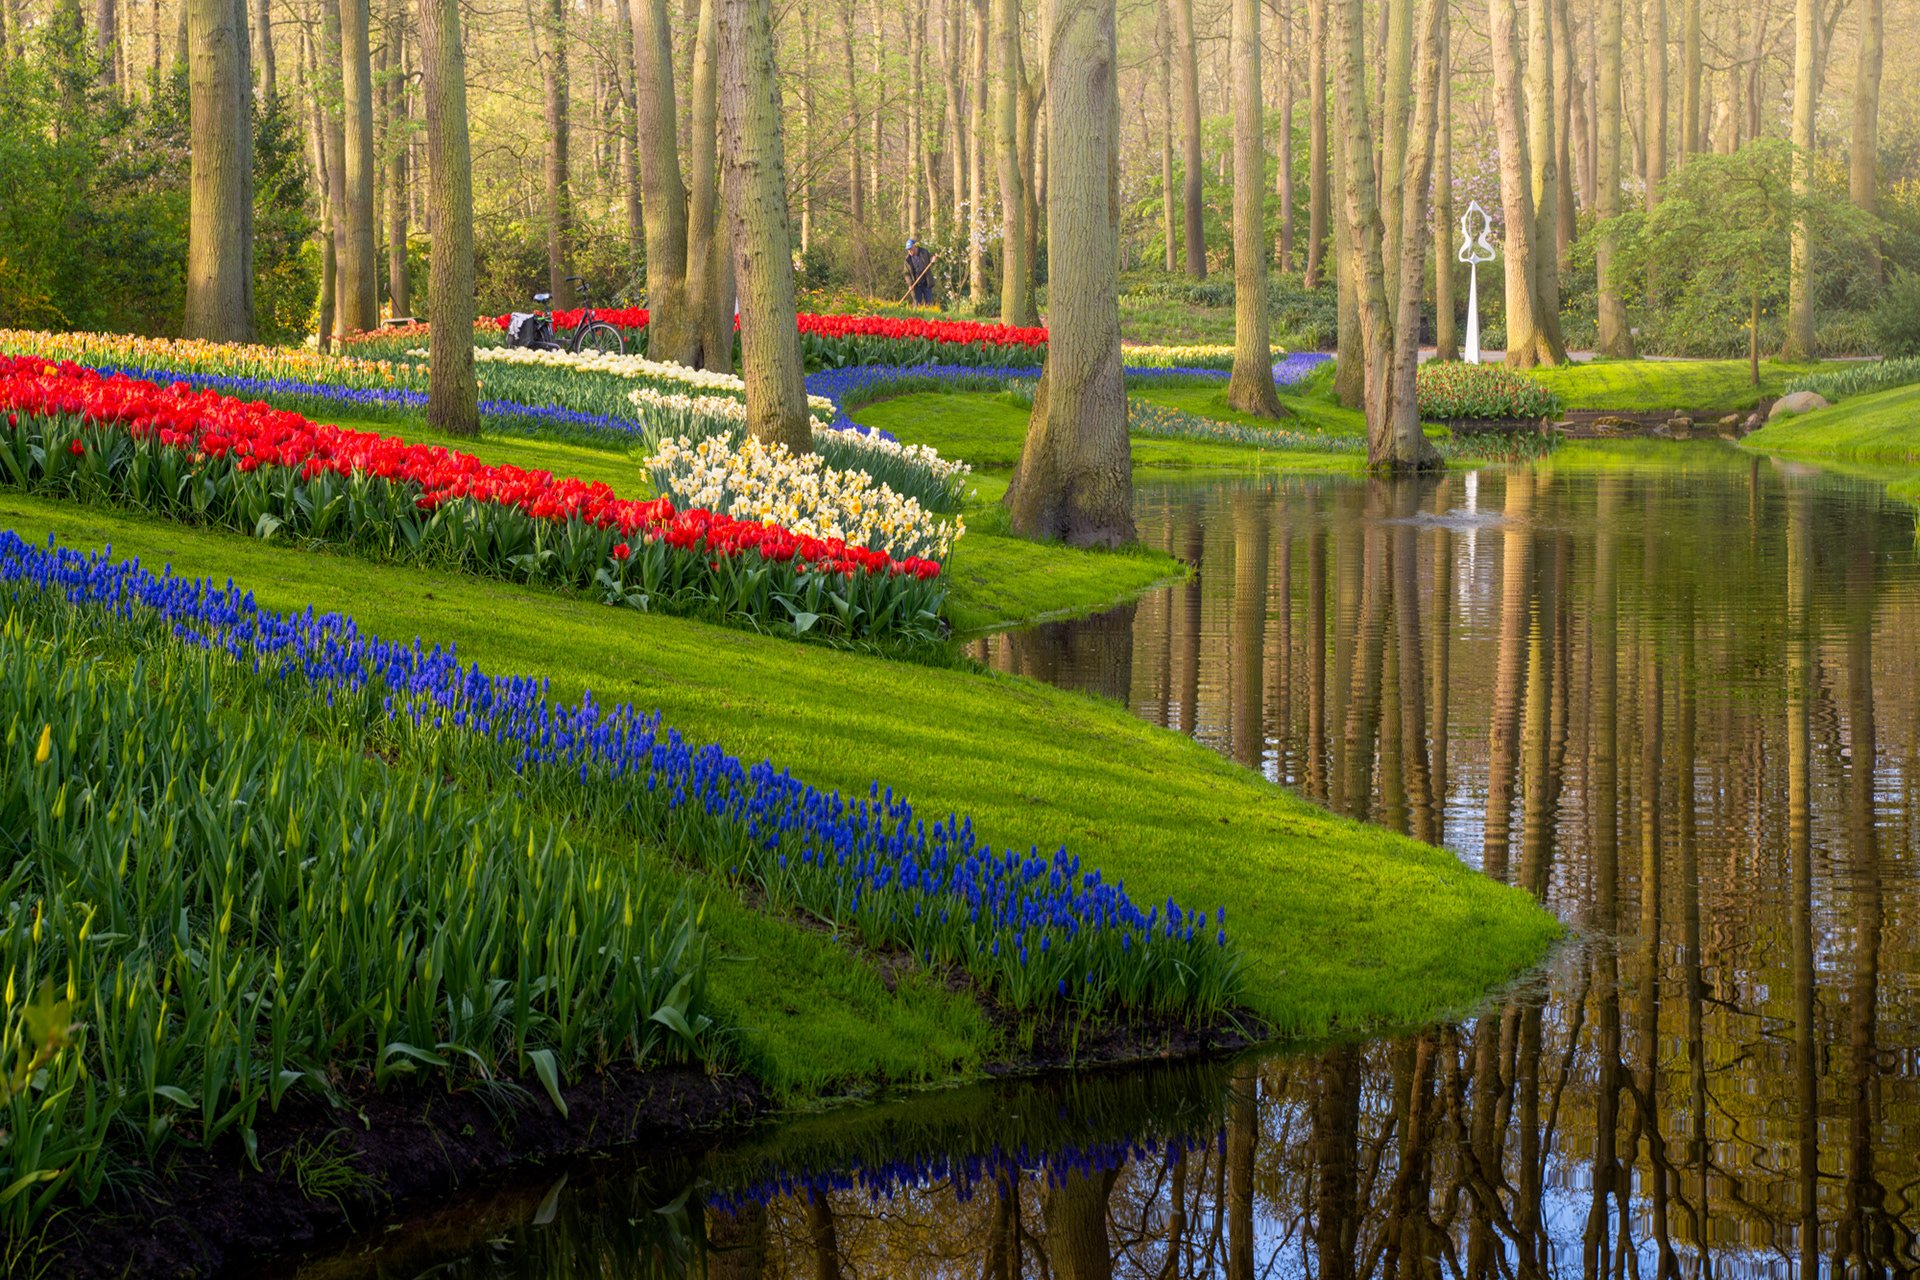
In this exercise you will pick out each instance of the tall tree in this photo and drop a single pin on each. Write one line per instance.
(1654, 87)
(550, 51)
(1014, 276)
(358, 301)
(1529, 343)
(1446, 325)
(265, 76)
(959, 147)
(1191, 191)
(1075, 479)
(663, 195)
(1543, 149)
(1396, 103)
(1163, 41)
(452, 390)
(1863, 153)
(106, 42)
(399, 128)
(1615, 336)
(1250, 389)
(1283, 171)
(219, 294)
(709, 261)
(1806, 94)
(977, 160)
(1316, 143)
(756, 183)
(1693, 81)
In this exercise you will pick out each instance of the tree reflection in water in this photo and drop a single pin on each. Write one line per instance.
(1681, 707)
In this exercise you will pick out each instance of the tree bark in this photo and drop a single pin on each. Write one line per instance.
(1250, 389)
(1076, 1211)
(1799, 340)
(709, 277)
(1396, 101)
(959, 145)
(551, 47)
(359, 295)
(399, 127)
(1863, 152)
(1527, 342)
(1655, 125)
(1544, 149)
(1163, 33)
(1317, 196)
(629, 144)
(1283, 172)
(1446, 328)
(1006, 115)
(265, 75)
(977, 162)
(219, 303)
(1615, 337)
(1075, 479)
(452, 392)
(1400, 444)
(756, 184)
(1692, 80)
(106, 42)
(1191, 190)
(663, 195)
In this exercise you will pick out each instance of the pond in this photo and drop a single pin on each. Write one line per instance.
(1675, 695)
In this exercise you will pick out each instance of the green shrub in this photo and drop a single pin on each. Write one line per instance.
(1895, 322)
(1453, 391)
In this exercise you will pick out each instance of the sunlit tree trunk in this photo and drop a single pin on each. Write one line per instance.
(1799, 340)
(1862, 170)
(219, 293)
(629, 145)
(550, 45)
(756, 184)
(977, 159)
(1397, 443)
(1396, 98)
(1191, 190)
(709, 256)
(1163, 35)
(670, 328)
(1250, 389)
(1317, 192)
(959, 143)
(452, 392)
(1283, 171)
(1528, 342)
(359, 298)
(399, 120)
(1693, 80)
(1075, 479)
(1565, 92)
(1446, 324)
(1006, 115)
(1615, 336)
(1543, 149)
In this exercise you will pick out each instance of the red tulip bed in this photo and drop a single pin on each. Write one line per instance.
(217, 460)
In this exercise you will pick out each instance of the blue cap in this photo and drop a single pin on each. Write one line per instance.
(911, 242)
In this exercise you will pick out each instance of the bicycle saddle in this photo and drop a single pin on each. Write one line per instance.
(543, 298)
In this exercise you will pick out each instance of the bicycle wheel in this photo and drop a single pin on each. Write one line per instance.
(603, 338)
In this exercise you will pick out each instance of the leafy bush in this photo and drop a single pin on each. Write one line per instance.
(1895, 322)
(1453, 391)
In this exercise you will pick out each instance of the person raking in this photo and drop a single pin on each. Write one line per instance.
(919, 273)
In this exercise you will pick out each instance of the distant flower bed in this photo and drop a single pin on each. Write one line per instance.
(1196, 356)
(623, 366)
(209, 458)
(1837, 382)
(1148, 419)
(1454, 391)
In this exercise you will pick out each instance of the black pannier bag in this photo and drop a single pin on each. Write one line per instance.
(528, 329)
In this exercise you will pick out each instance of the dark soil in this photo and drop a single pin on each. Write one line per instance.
(212, 1212)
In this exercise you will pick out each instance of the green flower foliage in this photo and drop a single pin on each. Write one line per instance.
(1453, 391)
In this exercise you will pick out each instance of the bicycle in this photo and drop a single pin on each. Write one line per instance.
(591, 334)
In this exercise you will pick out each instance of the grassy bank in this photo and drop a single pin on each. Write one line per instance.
(1876, 435)
(1650, 386)
(1340, 925)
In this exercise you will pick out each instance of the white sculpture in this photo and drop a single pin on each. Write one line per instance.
(1475, 227)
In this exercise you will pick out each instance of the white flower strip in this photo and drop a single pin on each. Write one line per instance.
(621, 366)
(753, 481)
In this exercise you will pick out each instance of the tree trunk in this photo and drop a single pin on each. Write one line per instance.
(313, 67)
(399, 127)
(551, 47)
(359, 294)
(663, 195)
(1191, 190)
(219, 303)
(1250, 389)
(1615, 337)
(1163, 34)
(916, 22)
(1075, 479)
(335, 150)
(1006, 119)
(1446, 329)
(106, 42)
(959, 145)
(709, 282)
(629, 145)
(1316, 143)
(1283, 173)
(1655, 125)
(1692, 80)
(756, 185)
(977, 161)
(1565, 90)
(1544, 149)
(1799, 343)
(1076, 1208)
(264, 72)
(1527, 342)
(1862, 170)
(1400, 444)
(452, 392)
(1396, 100)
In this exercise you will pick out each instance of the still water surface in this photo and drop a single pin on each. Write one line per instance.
(1681, 706)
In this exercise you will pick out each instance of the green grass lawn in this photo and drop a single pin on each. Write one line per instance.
(1876, 435)
(1649, 386)
(1342, 926)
